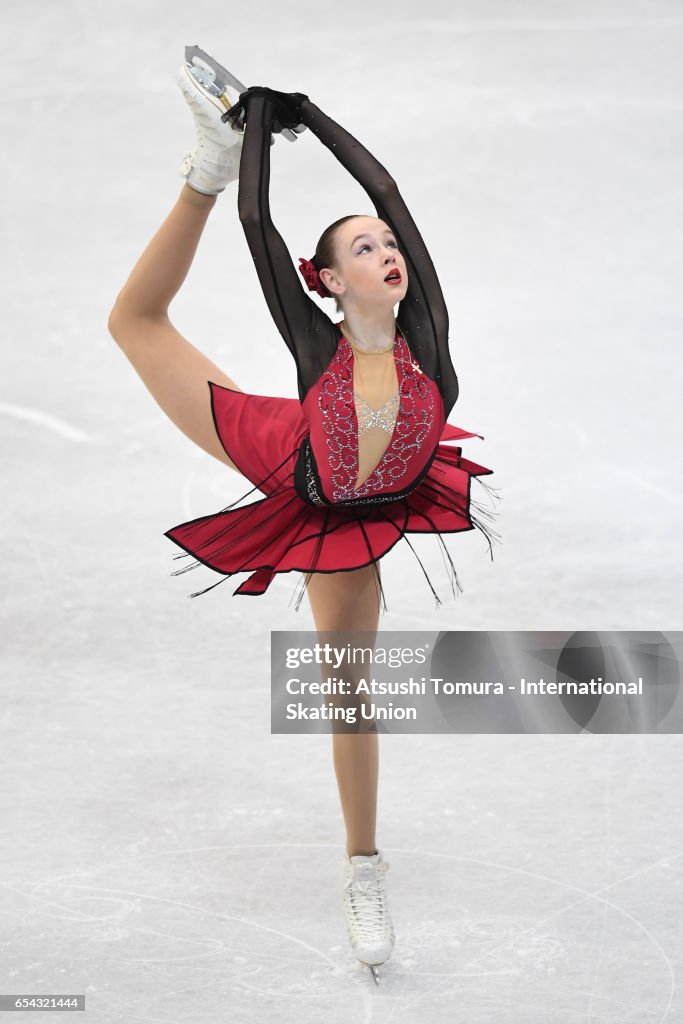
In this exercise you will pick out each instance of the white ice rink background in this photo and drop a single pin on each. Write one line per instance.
(161, 851)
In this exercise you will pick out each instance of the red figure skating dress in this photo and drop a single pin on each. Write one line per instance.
(303, 454)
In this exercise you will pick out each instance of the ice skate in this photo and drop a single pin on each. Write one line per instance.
(222, 81)
(215, 159)
(368, 921)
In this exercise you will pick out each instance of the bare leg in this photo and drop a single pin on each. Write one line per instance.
(350, 601)
(173, 370)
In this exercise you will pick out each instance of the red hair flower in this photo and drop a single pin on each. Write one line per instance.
(312, 278)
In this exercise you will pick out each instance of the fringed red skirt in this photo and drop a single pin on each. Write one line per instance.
(283, 533)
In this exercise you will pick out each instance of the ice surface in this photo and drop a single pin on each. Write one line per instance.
(161, 850)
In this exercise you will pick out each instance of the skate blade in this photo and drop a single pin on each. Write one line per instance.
(203, 83)
(223, 78)
(205, 77)
(373, 972)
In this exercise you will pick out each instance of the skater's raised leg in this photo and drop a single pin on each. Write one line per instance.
(173, 370)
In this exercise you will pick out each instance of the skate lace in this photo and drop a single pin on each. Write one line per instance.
(207, 129)
(366, 900)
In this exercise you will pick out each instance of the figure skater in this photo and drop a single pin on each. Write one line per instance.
(354, 464)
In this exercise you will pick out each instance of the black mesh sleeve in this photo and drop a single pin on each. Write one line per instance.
(310, 335)
(422, 314)
(308, 332)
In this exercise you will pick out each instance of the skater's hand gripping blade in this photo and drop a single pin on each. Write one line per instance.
(204, 62)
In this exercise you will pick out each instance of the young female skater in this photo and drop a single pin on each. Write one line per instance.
(358, 461)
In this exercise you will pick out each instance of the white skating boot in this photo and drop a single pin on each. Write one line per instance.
(215, 159)
(368, 921)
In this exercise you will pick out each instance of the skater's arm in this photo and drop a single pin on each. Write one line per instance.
(422, 313)
(308, 332)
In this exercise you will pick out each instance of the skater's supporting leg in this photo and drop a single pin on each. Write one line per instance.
(356, 764)
(350, 601)
(173, 370)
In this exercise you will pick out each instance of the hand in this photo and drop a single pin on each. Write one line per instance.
(286, 109)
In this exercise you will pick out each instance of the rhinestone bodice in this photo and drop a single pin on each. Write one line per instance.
(369, 416)
(337, 418)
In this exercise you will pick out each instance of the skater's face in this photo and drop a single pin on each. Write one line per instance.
(366, 251)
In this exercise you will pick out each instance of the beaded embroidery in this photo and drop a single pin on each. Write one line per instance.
(340, 423)
(369, 416)
(311, 484)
